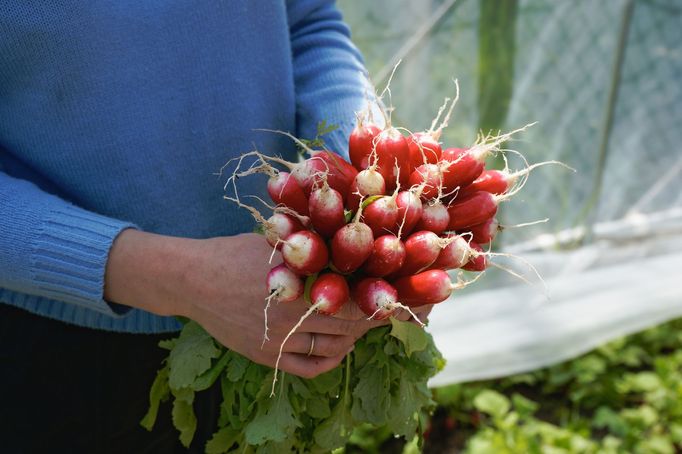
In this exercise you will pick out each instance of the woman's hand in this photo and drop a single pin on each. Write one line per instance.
(220, 283)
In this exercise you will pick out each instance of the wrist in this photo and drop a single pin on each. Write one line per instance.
(145, 271)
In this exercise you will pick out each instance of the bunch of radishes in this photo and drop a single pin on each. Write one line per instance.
(383, 230)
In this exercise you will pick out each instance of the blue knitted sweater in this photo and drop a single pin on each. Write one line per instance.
(117, 114)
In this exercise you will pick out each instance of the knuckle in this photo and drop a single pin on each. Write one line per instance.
(332, 348)
(348, 326)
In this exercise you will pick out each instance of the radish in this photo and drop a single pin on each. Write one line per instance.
(424, 149)
(305, 253)
(284, 190)
(409, 210)
(351, 245)
(393, 157)
(430, 178)
(462, 166)
(492, 181)
(283, 286)
(454, 255)
(427, 287)
(278, 227)
(421, 250)
(376, 297)
(326, 210)
(486, 231)
(340, 173)
(388, 255)
(478, 260)
(367, 182)
(381, 215)
(501, 181)
(361, 144)
(435, 218)
(465, 165)
(329, 293)
(473, 209)
(306, 173)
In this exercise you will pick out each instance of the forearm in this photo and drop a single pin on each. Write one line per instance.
(146, 271)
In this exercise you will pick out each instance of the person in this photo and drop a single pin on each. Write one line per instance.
(113, 118)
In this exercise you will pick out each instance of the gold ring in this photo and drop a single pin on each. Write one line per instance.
(312, 344)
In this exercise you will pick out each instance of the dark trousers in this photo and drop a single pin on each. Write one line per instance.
(77, 390)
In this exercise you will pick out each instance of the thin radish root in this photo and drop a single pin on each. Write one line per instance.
(268, 300)
(298, 324)
(444, 124)
(254, 212)
(409, 311)
(387, 89)
(524, 224)
(490, 143)
(441, 109)
(462, 283)
(305, 220)
(522, 260)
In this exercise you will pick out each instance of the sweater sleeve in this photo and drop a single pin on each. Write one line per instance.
(53, 249)
(330, 78)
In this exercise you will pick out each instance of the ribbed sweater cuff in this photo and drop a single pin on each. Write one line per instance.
(70, 256)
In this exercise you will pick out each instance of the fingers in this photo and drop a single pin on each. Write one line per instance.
(331, 325)
(308, 366)
(324, 345)
(421, 312)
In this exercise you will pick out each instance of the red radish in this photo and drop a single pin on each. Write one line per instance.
(305, 253)
(326, 210)
(367, 182)
(485, 232)
(465, 165)
(306, 173)
(284, 190)
(473, 209)
(381, 215)
(478, 260)
(501, 181)
(388, 255)
(435, 218)
(393, 157)
(351, 245)
(421, 250)
(462, 168)
(492, 181)
(424, 149)
(409, 210)
(430, 178)
(361, 144)
(329, 293)
(278, 227)
(283, 285)
(454, 255)
(427, 287)
(340, 173)
(376, 297)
